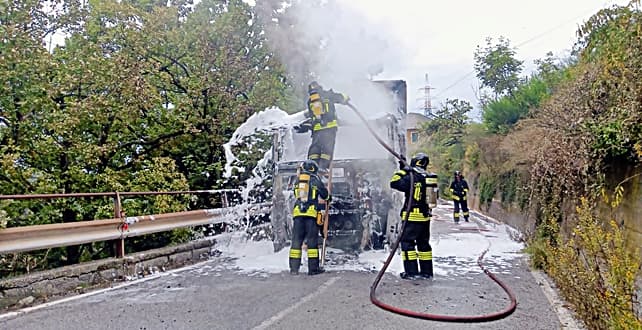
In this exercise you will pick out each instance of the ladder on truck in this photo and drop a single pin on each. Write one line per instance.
(326, 214)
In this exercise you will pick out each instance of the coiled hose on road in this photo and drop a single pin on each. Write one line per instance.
(427, 316)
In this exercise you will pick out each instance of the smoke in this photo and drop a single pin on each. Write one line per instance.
(331, 43)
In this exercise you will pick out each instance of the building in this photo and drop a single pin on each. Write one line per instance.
(414, 122)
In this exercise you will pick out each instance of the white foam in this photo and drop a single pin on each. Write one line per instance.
(454, 254)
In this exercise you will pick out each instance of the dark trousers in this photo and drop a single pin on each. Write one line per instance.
(464, 207)
(415, 246)
(305, 229)
(322, 147)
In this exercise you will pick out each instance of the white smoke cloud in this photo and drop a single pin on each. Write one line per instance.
(340, 47)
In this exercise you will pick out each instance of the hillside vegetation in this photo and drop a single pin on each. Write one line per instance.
(562, 151)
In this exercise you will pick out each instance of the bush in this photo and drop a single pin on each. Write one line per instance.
(487, 189)
(501, 115)
(508, 187)
(595, 272)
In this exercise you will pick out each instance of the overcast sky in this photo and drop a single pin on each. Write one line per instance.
(440, 37)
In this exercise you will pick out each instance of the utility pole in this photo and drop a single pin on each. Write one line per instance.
(427, 99)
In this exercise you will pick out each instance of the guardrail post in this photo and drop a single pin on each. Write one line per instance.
(119, 244)
(224, 201)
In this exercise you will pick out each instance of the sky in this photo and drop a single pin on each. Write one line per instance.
(439, 38)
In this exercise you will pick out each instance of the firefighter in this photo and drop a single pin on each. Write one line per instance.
(322, 121)
(308, 188)
(415, 245)
(459, 191)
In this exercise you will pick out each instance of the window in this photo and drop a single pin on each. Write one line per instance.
(414, 137)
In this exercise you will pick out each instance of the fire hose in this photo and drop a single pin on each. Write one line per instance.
(427, 316)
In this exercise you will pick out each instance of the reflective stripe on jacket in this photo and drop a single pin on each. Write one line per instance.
(420, 211)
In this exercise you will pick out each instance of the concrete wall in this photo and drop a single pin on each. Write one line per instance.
(629, 212)
(56, 283)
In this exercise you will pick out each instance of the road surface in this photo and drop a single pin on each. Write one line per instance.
(246, 286)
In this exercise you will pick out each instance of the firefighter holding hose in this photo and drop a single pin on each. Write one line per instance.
(420, 196)
(322, 121)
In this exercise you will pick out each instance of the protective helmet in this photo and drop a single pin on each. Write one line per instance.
(420, 160)
(457, 174)
(313, 87)
(309, 166)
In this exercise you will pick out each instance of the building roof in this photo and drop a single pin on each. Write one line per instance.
(414, 120)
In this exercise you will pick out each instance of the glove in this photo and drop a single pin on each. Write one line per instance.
(455, 197)
(403, 165)
(346, 98)
(302, 128)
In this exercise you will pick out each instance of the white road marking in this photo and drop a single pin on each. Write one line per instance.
(563, 314)
(288, 310)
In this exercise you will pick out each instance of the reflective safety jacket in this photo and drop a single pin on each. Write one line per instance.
(321, 108)
(419, 209)
(459, 189)
(307, 190)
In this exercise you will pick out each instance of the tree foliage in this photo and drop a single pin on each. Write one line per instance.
(502, 114)
(446, 132)
(497, 67)
(139, 97)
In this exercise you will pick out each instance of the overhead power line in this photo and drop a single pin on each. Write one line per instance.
(527, 41)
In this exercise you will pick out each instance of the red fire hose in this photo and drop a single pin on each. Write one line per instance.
(427, 316)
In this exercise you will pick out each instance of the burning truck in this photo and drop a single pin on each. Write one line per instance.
(363, 213)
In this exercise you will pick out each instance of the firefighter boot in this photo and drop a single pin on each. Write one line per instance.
(411, 270)
(313, 266)
(426, 269)
(324, 165)
(295, 263)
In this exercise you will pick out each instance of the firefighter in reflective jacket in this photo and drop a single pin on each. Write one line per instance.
(415, 243)
(322, 120)
(308, 188)
(459, 191)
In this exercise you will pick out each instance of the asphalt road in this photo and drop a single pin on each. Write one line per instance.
(213, 295)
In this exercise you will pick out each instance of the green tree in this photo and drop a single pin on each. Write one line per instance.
(141, 96)
(446, 132)
(502, 114)
(497, 67)
(217, 71)
(449, 122)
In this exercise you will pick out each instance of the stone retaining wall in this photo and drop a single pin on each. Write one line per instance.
(51, 284)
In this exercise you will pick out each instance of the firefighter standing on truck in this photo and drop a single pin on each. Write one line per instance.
(322, 120)
(308, 188)
(415, 245)
(459, 191)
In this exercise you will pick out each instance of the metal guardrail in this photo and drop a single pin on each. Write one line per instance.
(114, 194)
(30, 238)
